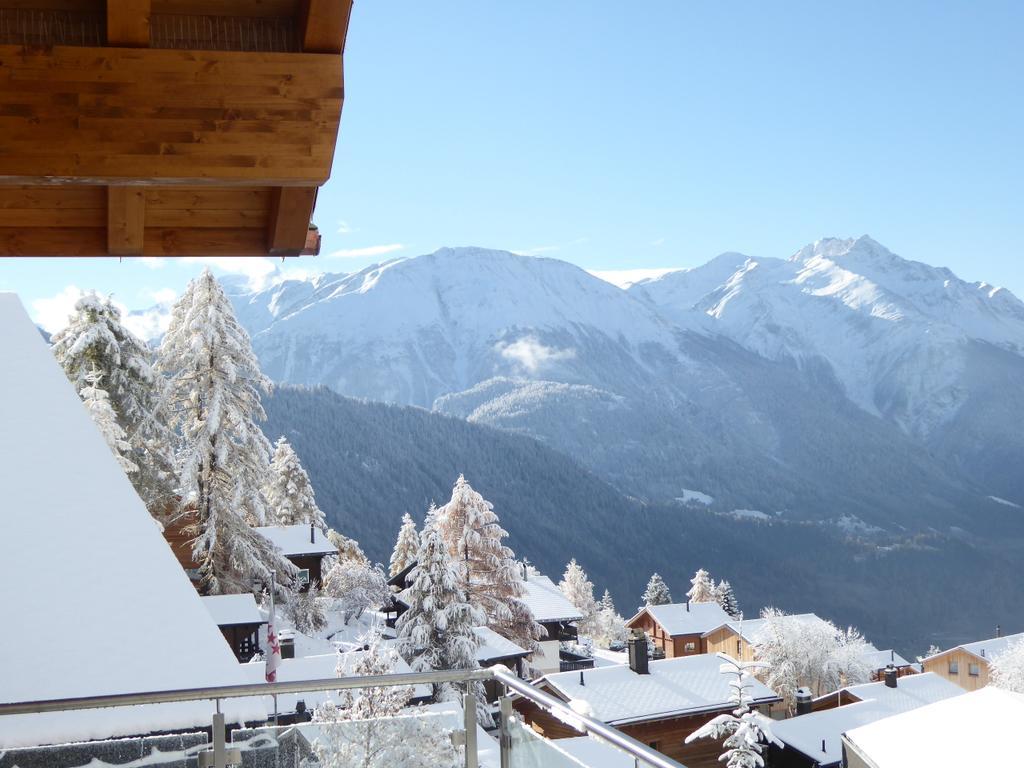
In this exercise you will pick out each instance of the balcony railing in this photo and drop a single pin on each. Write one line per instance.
(519, 746)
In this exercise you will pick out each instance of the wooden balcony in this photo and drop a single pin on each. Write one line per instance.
(173, 128)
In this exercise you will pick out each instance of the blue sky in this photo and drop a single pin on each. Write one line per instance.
(655, 134)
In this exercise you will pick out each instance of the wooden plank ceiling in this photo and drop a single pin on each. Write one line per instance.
(196, 127)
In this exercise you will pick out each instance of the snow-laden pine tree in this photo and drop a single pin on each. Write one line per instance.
(702, 589)
(808, 652)
(96, 338)
(437, 632)
(608, 626)
(656, 592)
(1007, 668)
(408, 542)
(606, 601)
(97, 402)
(348, 549)
(579, 591)
(213, 398)
(354, 586)
(727, 599)
(746, 732)
(489, 573)
(288, 492)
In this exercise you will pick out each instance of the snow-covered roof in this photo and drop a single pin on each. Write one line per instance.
(547, 601)
(618, 695)
(881, 659)
(750, 629)
(494, 647)
(984, 649)
(99, 608)
(686, 618)
(297, 540)
(973, 729)
(587, 752)
(806, 733)
(233, 609)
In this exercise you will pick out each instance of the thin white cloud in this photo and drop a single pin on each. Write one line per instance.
(152, 262)
(659, 241)
(531, 353)
(160, 295)
(368, 251)
(148, 324)
(344, 228)
(259, 270)
(52, 313)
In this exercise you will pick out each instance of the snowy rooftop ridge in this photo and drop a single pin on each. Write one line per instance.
(674, 687)
(60, 472)
(297, 540)
(547, 601)
(226, 610)
(686, 618)
(984, 649)
(974, 727)
(805, 733)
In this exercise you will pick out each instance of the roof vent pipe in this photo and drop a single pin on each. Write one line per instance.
(687, 606)
(312, 534)
(999, 630)
(582, 682)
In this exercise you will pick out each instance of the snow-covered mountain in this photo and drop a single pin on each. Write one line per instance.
(843, 380)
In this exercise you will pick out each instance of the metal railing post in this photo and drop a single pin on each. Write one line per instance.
(469, 723)
(505, 732)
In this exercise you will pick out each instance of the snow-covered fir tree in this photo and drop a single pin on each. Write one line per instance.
(1007, 668)
(408, 542)
(348, 549)
(437, 632)
(365, 727)
(579, 591)
(95, 338)
(812, 653)
(354, 586)
(213, 398)
(288, 492)
(746, 732)
(305, 607)
(656, 592)
(702, 589)
(97, 402)
(608, 626)
(606, 601)
(727, 599)
(489, 573)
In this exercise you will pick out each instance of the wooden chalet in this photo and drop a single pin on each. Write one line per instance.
(167, 127)
(679, 629)
(814, 739)
(967, 665)
(659, 702)
(882, 661)
(239, 620)
(553, 611)
(305, 546)
(739, 638)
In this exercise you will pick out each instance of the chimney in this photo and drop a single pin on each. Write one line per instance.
(804, 703)
(891, 677)
(638, 653)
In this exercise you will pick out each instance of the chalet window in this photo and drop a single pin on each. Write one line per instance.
(954, 667)
(973, 670)
(690, 647)
(654, 744)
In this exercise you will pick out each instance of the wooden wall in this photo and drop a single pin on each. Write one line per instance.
(963, 678)
(724, 640)
(673, 645)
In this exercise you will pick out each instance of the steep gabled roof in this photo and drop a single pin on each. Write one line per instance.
(881, 659)
(983, 649)
(675, 687)
(112, 611)
(298, 540)
(547, 601)
(685, 618)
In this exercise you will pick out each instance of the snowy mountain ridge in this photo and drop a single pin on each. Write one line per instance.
(765, 367)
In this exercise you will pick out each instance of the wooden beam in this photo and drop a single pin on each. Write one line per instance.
(126, 220)
(291, 209)
(128, 23)
(324, 25)
(114, 116)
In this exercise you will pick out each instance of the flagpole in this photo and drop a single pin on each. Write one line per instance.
(273, 615)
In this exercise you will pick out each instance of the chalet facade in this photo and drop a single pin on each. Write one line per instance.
(814, 739)
(305, 546)
(680, 629)
(967, 664)
(239, 620)
(659, 703)
(740, 638)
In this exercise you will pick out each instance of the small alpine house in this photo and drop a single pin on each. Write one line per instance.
(167, 127)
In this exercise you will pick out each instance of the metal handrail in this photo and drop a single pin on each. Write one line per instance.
(556, 707)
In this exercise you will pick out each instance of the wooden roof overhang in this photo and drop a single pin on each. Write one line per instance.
(167, 127)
